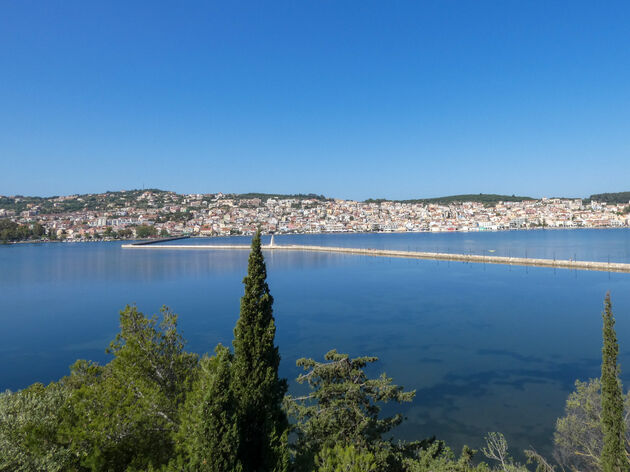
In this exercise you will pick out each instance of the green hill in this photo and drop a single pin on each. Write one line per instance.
(91, 201)
(486, 198)
(618, 197)
(277, 196)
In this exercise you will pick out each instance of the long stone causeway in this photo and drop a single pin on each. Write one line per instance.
(439, 256)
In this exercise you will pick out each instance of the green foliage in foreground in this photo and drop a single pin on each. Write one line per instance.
(578, 439)
(345, 459)
(263, 425)
(125, 413)
(593, 435)
(208, 437)
(435, 459)
(120, 416)
(343, 409)
(613, 456)
(29, 424)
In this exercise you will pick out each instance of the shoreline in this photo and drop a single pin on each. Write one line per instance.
(183, 236)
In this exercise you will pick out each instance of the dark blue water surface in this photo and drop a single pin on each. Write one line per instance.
(487, 347)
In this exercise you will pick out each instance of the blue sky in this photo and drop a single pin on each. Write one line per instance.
(350, 99)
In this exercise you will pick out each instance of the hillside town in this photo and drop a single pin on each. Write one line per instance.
(152, 213)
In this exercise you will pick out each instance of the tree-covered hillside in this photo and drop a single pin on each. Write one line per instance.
(123, 199)
(10, 231)
(617, 197)
(487, 198)
(91, 202)
(277, 196)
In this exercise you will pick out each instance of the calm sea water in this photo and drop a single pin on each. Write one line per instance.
(605, 245)
(487, 347)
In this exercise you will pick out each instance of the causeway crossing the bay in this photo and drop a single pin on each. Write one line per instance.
(440, 256)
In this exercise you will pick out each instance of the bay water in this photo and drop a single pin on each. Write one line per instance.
(486, 347)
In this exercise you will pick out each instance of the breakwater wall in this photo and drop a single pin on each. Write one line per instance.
(146, 242)
(440, 256)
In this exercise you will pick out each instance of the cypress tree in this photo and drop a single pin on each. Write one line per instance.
(209, 431)
(613, 458)
(262, 424)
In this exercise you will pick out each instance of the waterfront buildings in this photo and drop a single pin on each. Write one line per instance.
(110, 214)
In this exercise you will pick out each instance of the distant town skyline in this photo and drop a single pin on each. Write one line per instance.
(149, 213)
(352, 100)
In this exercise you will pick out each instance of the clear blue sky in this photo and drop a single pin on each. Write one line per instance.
(351, 99)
